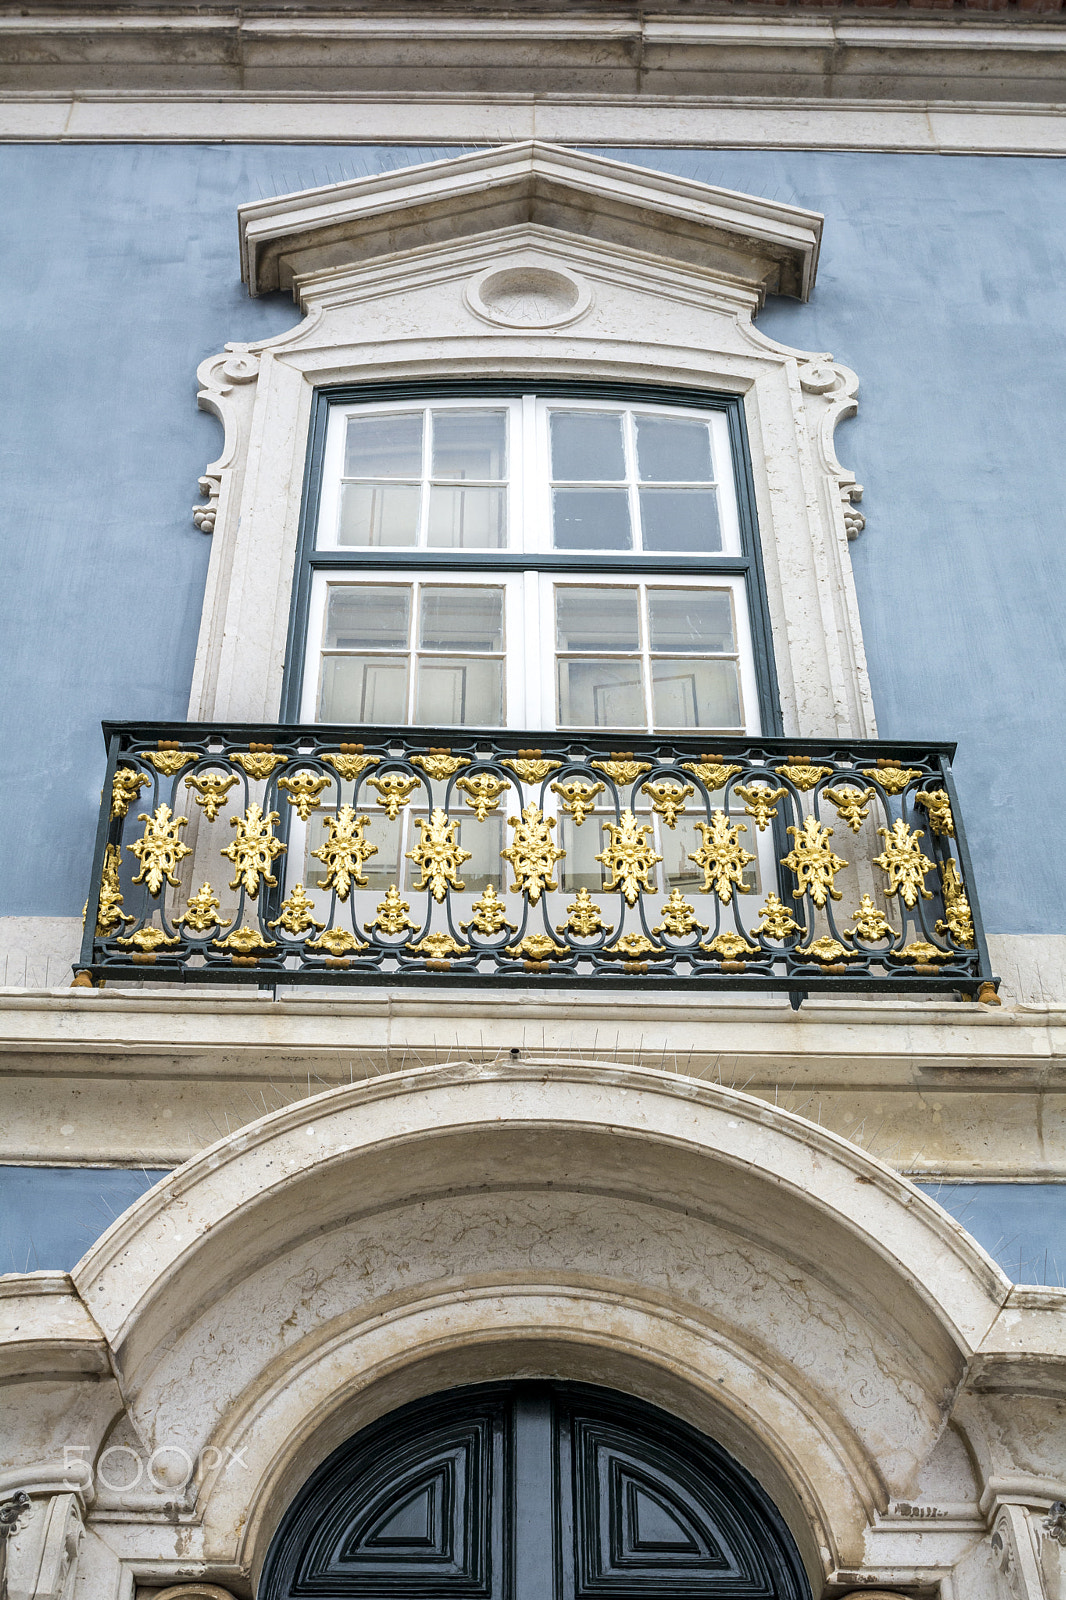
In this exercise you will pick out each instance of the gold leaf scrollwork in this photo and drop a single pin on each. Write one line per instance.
(921, 950)
(531, 766)
(483, 790)
(584, 918)
(438, 946)
(393, 912)
(804, 774)
(777, 920)
(109, 912)
(892, 777)
(438, 854)
(168, 759)
(667, 799)
(201, 912)
(679, 918)
(729, 946)
(628, 857)
(760, 802)
(632, 946)
(254, 849)
(721, 857)
(212, 789)
(296, 912)
(126, 786)
(394, 791)
(578, 798)
(244, 943)
(903, 863)
(622, 769)
(258, 761)
(344, 852)
(714, 772)
(957, 920)
(440, 764)
(814, 862)
(937, 807)
(537, 947)
(160, 849)
(349, 762)
(870, 923)
(148, 939)
(304, 790)
(489, 915)
(853, 805)
(532, 852)
(337, 942)
(826, 950)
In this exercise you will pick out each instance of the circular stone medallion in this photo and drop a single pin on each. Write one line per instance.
(528, 297)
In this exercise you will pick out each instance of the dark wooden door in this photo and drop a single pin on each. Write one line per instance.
(534, 1491)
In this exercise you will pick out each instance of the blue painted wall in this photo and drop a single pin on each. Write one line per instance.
(940, 282)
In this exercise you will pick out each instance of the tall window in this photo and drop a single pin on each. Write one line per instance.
(530, 560)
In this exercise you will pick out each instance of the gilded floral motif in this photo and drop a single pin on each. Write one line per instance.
(392, 912)
(537, 947)
(394, 791)
(621, 769)
(245, 942)
(760, 802)
(296, 912)
(344, 852)
(721, 857)
(903, 863)
(667, 799)
(437, 946)
(531, 768)
(258, 763)
(254, 849)
(440, 764)
(852, 804)
(212, 789)
(679, 918)
(713, 772)
(937, 807)
(814, 862)
(804, 774)
(337, 942)
(438, 854)
(483, 790)
(160, 849)
(168, 759)
(584, 918)
(578, 798)
(921, 950)
(305, 790)
(489, 915)
(202, 909)
(148, 939)
(730, 946)
(532, 852)
(109, 912)
(126, 786)
(891, 776)
(826, 950)
(870, 923)
(631, 946)
(628, 856)
(777, 920)
(349, 764)
(957, 921)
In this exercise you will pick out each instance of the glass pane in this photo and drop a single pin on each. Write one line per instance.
(591, 519)
(457, 691)
(579, 868)
(695, 694)
(363, 689)
(469, 444)
(471, 519)
(379, 513)
(454, 618)
(601, 694)
(690, 619)
(597, 619)
(672, 451)
(384, 446)
(680, 519)
(587, 447)
(371, 616)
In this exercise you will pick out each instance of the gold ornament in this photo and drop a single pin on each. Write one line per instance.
(721, 857)
(813, 862)
(890, 775)
(826, 950)
(958, 918)
(628, 856)
(392, 912)
(537, 947)
(304, 791)
(440, 764)
(438, 854)
(126, 786)
(212, 789)
(937, 807)
(759, 801)
(437, 946)
(168, 759)
(667, 799)
(245, 942)
(584, 918)
(712, 771)
(483, 790)
(201, 910)
(730, 946)
(337, 942)
(870, 924)
(489, 915)
(679, 918)
(344, 852)
(532, 852)
(531, 768)
(258, 763)
(578, 798)
(254, 850)
(921, 950)
(149, 939)
(109, 912)
(621, 770)
(852, 804)
(777, 920)
(803, 774)
(631, 946)
(904, 864)
(296, 912)
(350, 762)
(394, 790)
(160, 850)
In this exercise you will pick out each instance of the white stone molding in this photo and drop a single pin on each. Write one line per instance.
(192, 1591)
(42, 1553)
(1015, 1553)
(653, 315)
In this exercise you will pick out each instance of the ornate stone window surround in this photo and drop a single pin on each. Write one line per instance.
(531, 262)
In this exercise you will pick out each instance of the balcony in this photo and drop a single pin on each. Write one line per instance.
(319, 855)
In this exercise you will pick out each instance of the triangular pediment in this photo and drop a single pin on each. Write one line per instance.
(768, 247)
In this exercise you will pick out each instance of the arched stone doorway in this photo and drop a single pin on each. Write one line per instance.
(532, 1491)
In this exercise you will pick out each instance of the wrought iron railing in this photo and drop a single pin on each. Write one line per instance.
(320, 855)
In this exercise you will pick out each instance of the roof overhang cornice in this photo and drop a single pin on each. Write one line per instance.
(769, 247)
